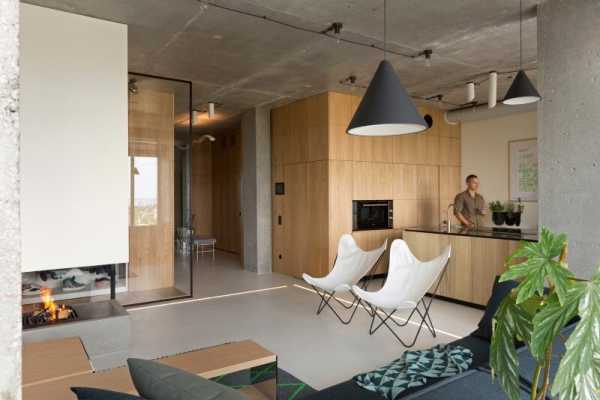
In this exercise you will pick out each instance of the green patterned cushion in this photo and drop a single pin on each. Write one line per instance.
(413, 369)
(156, 381)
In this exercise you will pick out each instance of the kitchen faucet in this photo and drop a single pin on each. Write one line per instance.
(449, 216)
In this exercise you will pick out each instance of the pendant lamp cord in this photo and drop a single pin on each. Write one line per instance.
(520, 34)
(385, 29)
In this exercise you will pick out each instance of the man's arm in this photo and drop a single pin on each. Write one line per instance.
(463, 219)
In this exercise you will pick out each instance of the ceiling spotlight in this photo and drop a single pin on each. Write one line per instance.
(351, 80)
(427, 53)
(336, 28)
(211, 110)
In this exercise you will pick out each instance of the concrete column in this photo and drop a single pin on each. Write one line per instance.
(10, 243)
(256, 190)
(569, 126)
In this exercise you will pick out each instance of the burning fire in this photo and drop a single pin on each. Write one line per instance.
(54, 311)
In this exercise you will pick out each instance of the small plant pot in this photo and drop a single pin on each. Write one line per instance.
(498, 217)
(513, 218)
(517, 218)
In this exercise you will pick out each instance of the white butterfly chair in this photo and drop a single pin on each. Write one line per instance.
(350, 266)
(407, 283)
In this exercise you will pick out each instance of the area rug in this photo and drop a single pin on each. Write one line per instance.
(288, 386)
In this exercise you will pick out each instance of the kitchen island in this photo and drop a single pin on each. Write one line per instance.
(477, 257)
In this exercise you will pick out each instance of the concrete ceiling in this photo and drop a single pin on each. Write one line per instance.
(241, 61)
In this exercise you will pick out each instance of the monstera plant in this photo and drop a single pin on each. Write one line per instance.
(547, 298)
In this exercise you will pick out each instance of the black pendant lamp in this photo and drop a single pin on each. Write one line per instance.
(386, 109)
(521, 90)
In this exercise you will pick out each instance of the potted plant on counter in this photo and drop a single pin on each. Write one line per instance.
(546, 299)
(498, 214)
(512, 213)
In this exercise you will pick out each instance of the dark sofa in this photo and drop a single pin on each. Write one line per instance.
(473, 384)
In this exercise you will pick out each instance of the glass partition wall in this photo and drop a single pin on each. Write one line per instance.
(159, 167)
(160, 233)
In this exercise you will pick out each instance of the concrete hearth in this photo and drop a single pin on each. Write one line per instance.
(104, 329)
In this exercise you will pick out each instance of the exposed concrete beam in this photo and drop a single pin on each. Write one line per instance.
(10, 243)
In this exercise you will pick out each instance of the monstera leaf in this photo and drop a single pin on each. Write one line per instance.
(540, 263)
(511, 321)
(578, 375)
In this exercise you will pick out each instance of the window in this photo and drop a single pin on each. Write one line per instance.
(144, 191)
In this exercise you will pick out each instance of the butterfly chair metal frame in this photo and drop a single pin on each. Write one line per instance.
(384, 317)
(327, 296)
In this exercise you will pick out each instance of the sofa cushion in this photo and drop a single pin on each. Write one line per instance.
(83, 393)
(473, 384)
(499, 291)
(156, 381)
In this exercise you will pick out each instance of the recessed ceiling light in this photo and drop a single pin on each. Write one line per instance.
(308, 86)
(217, 37)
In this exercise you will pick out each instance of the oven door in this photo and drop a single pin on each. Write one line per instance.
(372, 215)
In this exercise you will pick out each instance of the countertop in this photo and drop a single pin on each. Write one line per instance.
(526, 235)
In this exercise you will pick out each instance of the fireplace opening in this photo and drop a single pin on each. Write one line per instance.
(47, 312)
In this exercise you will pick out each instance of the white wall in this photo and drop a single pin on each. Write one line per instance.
(484, 152)
(74, 161)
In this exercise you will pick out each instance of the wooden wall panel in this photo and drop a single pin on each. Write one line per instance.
(403, 168)
(318, 133)
(226, 183)
(406, 213)
(405, 181)
(449, 151)
(340, 110)
(151, 134)
(280, 133)
(341, 187)
(373, 181)
(202, 212)
(428, 185)
(296, 222)
(316, 257)
(450, 185)
(278, 238)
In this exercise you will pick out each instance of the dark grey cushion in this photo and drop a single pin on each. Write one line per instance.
(156, 381)
(472, 384)
(83, 393)
(499, 291)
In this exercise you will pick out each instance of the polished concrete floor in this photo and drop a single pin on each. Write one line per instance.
(278, 312)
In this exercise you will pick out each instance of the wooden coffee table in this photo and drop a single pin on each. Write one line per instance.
(245, 366)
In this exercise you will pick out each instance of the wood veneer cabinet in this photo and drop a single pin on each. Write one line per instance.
(324, 169)
(474, 264)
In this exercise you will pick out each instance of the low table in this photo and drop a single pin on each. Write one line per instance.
(245, 366)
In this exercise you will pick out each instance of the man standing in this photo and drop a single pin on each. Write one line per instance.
(469, 205)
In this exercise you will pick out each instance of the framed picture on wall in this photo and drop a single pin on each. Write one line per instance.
(523, 169)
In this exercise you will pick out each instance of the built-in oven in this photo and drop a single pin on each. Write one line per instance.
(372, 214)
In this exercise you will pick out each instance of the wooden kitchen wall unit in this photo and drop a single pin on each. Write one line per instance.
(226, 190)
(474, 264)
(202, 188)
(324, 169)
(151, 134)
